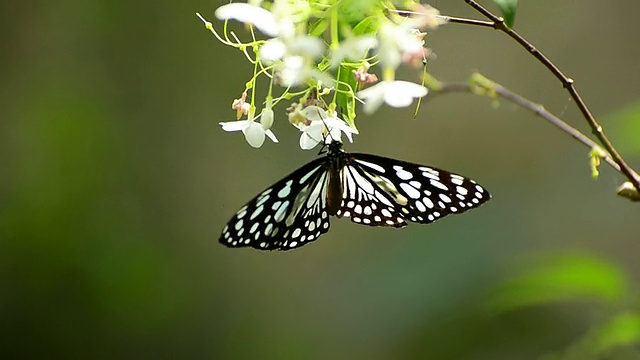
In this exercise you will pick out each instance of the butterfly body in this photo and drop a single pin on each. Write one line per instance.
(371, 190)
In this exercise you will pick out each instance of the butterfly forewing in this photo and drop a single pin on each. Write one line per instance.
(287, 215)
(386, 192)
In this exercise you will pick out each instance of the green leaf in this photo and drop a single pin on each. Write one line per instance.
(368, 25)
(319, 27)
(623, 330)
(351, 12)
(561, 278)
(508, 10)
(345, 100)
(624, 128)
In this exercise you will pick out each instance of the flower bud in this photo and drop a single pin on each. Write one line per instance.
(266, 118)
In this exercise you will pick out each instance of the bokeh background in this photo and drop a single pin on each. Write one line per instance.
(116, 181)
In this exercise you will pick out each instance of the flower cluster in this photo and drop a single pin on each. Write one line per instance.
(321, 52)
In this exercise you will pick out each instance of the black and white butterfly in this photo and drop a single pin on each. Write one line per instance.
(371, 190)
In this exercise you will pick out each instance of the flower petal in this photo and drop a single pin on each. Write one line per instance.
(353, 49)
(397, 99)
(409, 88)
(401, 93)
(372, 105)
(254, 134)
(271, 136)
(234, 125)
(310, 47)
(334, 135)
(262, 19)
(375, 91)
(315, 113)
(272, 50)
(308, 142)
(394, 93)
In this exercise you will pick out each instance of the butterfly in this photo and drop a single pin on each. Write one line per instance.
(371, 190)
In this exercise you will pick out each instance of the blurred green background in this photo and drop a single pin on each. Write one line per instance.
(117, 180)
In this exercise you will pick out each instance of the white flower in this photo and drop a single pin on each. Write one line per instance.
(262, 19)
(272, 50)
(396, 41)
(309, 47)
(295, 71)
(321, 127)
(394, 93)
(425, 17)
(354, 48)
(254, 132)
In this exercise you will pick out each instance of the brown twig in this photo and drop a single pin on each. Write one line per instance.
(457, 20)
(568, 83)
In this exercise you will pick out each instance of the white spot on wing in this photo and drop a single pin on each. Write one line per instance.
(410, 190)
(286, 190)
(306, 177)
(439, 185)
(282, 210)
(402, 173)
(256, 212)
(457, 179)
(430, 176)
(239, 224)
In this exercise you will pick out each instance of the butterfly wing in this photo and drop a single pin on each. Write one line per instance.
(380, 191)
(287, 215)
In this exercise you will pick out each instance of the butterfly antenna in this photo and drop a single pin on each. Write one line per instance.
(326, 127)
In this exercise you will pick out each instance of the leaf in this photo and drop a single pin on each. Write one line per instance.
(353, 11)
(368, 25)
(561, 278)
(624, 329)
(345, 101)
(319, 27)
(508, 10)
(624, 126)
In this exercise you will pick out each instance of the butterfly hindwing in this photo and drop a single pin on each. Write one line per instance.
(391, 192)
(287, 215)
(365, 201)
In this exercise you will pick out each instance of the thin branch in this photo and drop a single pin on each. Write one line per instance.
(567, 83)
(538, 109)
(465, 21)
